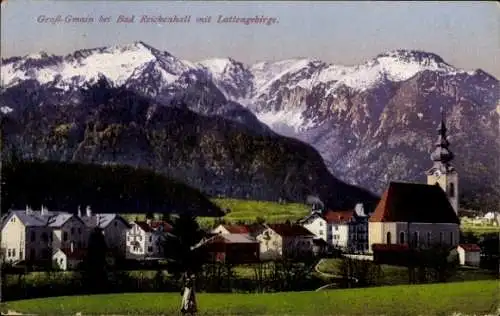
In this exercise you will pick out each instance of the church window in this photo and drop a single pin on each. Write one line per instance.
(388, 237)
(451, 190)
(402, 237)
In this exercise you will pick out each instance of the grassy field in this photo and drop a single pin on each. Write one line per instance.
(248, 211)
(477, 229)
(479, 297)
(394, 275)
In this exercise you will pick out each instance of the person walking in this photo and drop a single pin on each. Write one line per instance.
(188, 306)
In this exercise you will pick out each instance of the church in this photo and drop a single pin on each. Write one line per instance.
(423, 214)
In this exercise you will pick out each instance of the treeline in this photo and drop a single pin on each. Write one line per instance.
(112, 188)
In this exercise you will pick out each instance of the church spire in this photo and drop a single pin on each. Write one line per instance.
(442, 155)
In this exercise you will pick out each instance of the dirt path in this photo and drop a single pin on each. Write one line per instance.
(328, 275)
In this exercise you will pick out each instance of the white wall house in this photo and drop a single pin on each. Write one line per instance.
(32, 235)
(114, 228)
(68, 259)
(317, 225)
(284, 240)
(469, 254)
(146, 239)
(346, 230)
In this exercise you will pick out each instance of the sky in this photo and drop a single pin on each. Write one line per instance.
(464, 34)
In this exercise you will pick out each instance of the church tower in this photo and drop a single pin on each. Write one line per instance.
(442, 172)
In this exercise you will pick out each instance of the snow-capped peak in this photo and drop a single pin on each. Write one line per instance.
(216, 66)
(117, 63)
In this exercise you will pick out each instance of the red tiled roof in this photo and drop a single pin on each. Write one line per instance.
(157, 224)
(470, 247)
(338, 217)
(290, 230)
(237, 229)
(414, 202)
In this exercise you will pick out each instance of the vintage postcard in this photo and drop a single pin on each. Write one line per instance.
(249, 158)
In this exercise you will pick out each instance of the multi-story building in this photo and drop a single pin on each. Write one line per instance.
(145, 239)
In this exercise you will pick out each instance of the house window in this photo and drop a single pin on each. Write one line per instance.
(9, 252)
(441, 237)
(336, 227)
(415, 238)
(45, 237)
(451, 190)
(320, 224)
(150, 238)
(21, 254)
(451, 238)
(32, 253)
(13, 219)
(79, 230)
(429, 238)
(321, 232)
(150, 249)
(65, 236)
(402, 237)
(33, 236)
(72, 230)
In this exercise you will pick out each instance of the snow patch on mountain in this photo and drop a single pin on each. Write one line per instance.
(268, 72)
(287, 122)
(117, 63)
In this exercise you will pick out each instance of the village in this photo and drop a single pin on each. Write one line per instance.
(409, 215)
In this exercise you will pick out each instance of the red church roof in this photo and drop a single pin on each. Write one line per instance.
(414, 202)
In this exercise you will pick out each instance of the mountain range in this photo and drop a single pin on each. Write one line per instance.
(371, 123)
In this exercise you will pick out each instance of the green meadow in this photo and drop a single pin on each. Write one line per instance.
(248, 211)
(469, 298)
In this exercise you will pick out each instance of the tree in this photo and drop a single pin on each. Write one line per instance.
(188, 234)
(94, 265)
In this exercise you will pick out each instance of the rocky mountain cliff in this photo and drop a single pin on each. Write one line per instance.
(377, 121)
(371, 123)
(113, 125)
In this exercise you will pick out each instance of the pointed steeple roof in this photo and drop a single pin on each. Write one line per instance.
(442, 154)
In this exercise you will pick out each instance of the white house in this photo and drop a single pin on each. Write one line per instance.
(114, 228)
(31, 235)
(316, 224)
(347, 230)
(284, 240)
(68, 258)
(145, 239)
(469, 254)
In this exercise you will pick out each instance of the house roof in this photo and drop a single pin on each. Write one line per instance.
(144, 226)
(413, 202)
(237, 238)
(470, 247)
(102, 220)
(288, 230)
(338, 217)
(154, 226)
(309, 217)
(163, 225)
(237, 229)
(37, 219)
